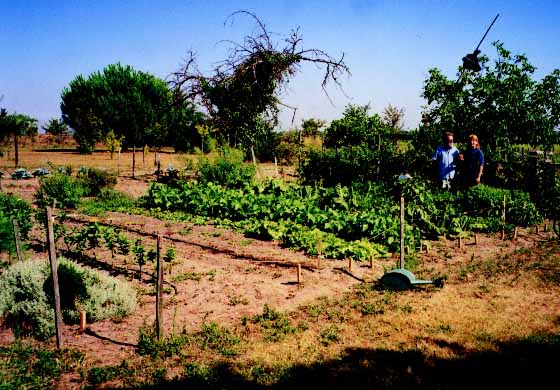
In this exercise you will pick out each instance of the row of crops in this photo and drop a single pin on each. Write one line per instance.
(350, 222)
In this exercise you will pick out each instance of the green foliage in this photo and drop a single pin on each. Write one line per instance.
(359, 148)
(149, 345)
(503, 104)
(215, 337)
(113, 143)
(275, 325)
(57, 128)
(107, 200)
(355, 128)
(95, 180)
(26, 302)
(67, 191)
(24, 366)
(228, 169)
(129, 102)
(13, 208)
(351, 222)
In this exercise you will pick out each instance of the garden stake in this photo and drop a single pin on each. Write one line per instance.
(545, 227)
(502, 234)
(82, 321)
(54, 268)
(401, 260)
(159, 289)
(515, 233)
(17, 239)
(371, 261)
(298, 269)
(350, 265)
(476, 239)
(460, 242)
(402, 279)
(319, 247)
(537, 229)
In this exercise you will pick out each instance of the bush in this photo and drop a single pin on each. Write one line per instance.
(13, 208)
(227, 170)
(65, 190)
(95, 180)
(26, 302)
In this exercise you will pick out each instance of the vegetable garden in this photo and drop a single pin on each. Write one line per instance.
(220, 271)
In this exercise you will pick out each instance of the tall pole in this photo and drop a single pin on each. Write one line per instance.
(52, 259)
(159, 290)
(401, 259)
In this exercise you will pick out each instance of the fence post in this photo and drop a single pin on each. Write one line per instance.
(401, 259)
(159, 289)
(17, 240)
(298, 268)
(504, 217)
(54, 271)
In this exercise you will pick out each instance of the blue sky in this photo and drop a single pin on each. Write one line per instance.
(389, 45)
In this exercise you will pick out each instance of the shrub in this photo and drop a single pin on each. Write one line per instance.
(227, 170)
(13, 208)
(26, 296)
(95, 180)
(65, 190)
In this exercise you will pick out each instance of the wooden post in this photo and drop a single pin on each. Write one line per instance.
(275, 166)
(54, 271)
(537, 229)
(371, 261)
(82, 321)
(17, 240)
(460, 242)
(134, 161)
(298, 268)
(502, 234)
(319, 251)
(350, 264)
(515, 233)
(545, 227)
(0, 183)
(158, 166)
(401, 259)
(119, 162)
(476, 239)
(159, 290)
(504, 216)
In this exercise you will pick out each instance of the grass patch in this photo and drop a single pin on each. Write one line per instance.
(23, 366)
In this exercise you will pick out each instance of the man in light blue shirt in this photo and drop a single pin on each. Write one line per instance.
(446, 157)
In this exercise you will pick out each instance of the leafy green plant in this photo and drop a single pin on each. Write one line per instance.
(24, 366)
(12, 208)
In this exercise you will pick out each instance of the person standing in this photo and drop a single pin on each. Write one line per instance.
(445, 157)
(473, 162)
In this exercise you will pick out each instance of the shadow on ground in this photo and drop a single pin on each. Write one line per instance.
(527, 363)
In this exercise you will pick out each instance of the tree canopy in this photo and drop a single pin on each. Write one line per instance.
(503, 104)
(131, 103)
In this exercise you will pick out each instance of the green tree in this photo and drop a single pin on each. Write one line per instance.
(128, 101)
(503, 104)
(16, 125)
(356, 127)
(57, 128)
(312, 127)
